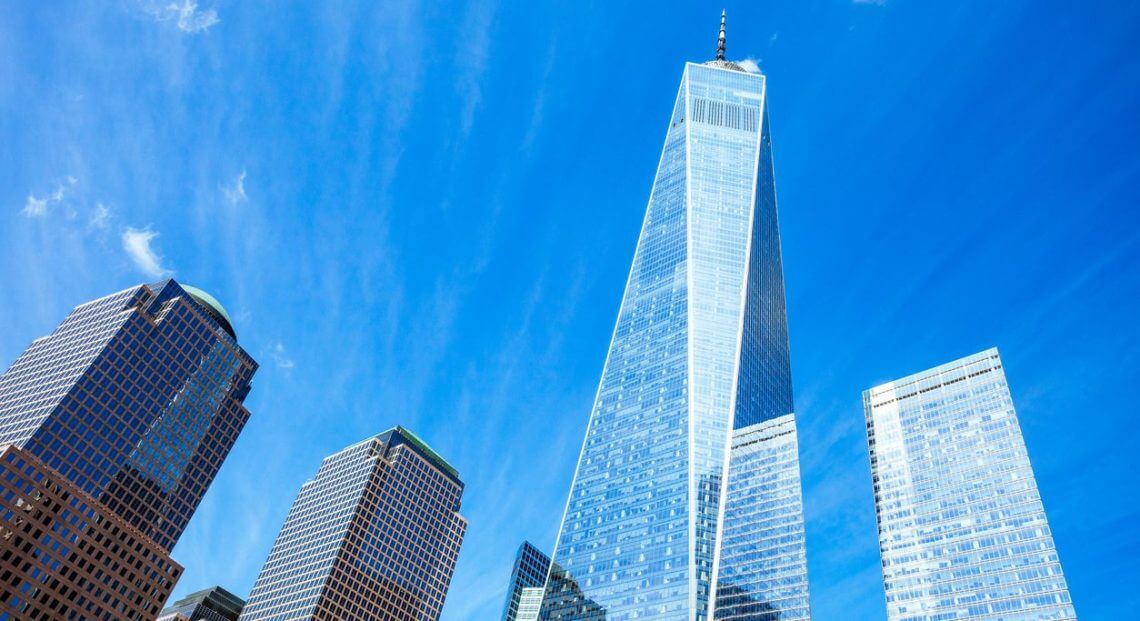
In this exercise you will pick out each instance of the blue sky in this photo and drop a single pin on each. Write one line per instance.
(424, 214)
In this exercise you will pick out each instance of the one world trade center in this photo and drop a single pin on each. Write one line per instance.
(686, 502)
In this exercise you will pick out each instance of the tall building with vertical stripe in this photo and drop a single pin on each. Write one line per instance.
(375, 535)
(685, 504)
(962, 529)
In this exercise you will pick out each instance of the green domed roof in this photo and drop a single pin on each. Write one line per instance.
(214, 307)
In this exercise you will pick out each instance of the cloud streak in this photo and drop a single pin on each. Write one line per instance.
(99, 220)
(281, 358)
(138, 245)
(36, 207)
(187, 16)
(236, 193)
(472, 56)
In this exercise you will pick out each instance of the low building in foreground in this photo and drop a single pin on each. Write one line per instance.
(64, 555)
(213, 604)
(962, 529)
(374, 535)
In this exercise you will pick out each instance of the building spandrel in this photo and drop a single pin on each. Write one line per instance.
(64, 555)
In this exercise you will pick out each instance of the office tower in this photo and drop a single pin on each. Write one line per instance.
(529, 572)
(136, 398)
(129, 408)
(215, 604)
(962, 530)
(375, 535)
(697, 380)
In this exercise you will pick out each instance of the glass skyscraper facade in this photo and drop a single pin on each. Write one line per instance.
(763, 559)
(962, 529)
(699, 355)
(136, 398)
(375, 535)
(527, 575)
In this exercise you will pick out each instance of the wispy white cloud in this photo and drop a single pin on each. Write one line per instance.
(100, 218)
(538, 109)
(235, 193)
(471, 57)
(187, 16)
(772, 39)
(281, 358)
(35, 206)
(137, 244)
(750, 65)
(870, 2)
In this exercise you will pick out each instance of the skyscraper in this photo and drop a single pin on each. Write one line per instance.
(214, 604)
(695, 395)
(136, 398)
(527, 575)
(127, 409)
(375, 535)
(962, 529)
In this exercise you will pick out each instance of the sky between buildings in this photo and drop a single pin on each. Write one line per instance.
(424, 214)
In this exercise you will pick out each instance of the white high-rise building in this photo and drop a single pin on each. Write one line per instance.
(962, 529)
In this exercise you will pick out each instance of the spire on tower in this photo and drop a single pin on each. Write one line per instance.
(720, 40)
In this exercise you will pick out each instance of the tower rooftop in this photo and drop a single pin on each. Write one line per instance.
(406, 436)
(213, 307)
(720, 61)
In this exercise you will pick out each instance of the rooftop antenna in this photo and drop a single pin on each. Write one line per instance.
(720, 40)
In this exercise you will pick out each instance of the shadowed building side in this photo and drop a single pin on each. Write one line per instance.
(762, 555)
